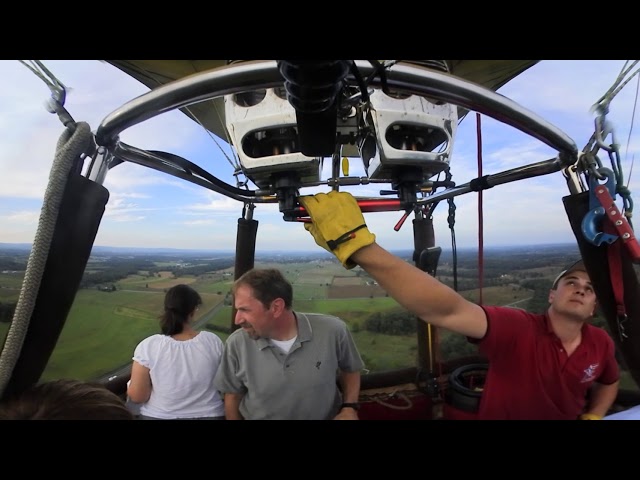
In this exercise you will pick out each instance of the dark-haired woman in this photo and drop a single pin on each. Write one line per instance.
(172, 373)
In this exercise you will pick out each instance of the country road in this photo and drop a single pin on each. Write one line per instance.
(519, 301)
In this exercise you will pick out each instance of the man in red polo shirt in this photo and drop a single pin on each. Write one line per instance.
(554, 359)
(552, 366)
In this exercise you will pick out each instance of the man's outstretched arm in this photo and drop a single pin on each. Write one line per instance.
(339, 227)
(420, 293)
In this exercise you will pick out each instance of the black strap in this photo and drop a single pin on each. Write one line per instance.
(333, 244)
(478, 184)
(615, 273)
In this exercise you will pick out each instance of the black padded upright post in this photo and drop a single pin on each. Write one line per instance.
(245, 253)
(79, 217)
(596, 262)
(424, 239)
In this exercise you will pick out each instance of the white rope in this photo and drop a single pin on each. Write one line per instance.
(602, 105)
(72, 143)
(38, 69)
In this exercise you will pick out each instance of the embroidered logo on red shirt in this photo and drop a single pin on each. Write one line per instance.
(589, 373)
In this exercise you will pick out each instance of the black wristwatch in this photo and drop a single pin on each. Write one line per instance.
(355, 406)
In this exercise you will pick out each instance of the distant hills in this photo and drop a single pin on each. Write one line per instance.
(100, 250)
(107, 250)
(15, 246)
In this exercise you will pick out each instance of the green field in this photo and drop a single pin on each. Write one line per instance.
(103, 328)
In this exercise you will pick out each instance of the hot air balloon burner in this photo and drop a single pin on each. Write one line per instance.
(407, 130)
(262, 126)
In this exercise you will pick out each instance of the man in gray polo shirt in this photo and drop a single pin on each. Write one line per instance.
(285, 365)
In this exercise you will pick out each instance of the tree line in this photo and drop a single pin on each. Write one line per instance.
(117, 269)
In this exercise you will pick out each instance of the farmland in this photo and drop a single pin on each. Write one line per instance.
(107, 320)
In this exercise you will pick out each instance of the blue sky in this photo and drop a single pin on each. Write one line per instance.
(151, 209)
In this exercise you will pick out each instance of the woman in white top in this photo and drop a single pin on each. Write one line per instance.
(172, 373)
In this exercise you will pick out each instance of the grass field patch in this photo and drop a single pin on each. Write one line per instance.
(342, 281)
(131, 312)
(501, 295)
(11, 280)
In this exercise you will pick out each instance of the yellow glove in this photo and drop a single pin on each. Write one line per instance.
(337, 224)
(590, 416)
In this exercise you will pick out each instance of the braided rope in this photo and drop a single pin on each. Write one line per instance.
(72, 143)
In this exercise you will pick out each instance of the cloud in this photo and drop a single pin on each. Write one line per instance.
(19, 226)
(150, 208)
(217, 203)
(116, 217)
(29, 217)
(198, 222)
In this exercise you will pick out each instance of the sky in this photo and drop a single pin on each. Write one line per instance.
(151, 209)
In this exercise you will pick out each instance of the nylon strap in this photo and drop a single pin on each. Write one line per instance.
(615, 276)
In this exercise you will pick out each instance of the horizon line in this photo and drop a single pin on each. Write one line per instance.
(232, 251)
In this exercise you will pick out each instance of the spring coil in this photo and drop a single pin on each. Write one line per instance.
(313, 86)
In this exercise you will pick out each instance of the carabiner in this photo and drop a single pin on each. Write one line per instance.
(592, 220)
